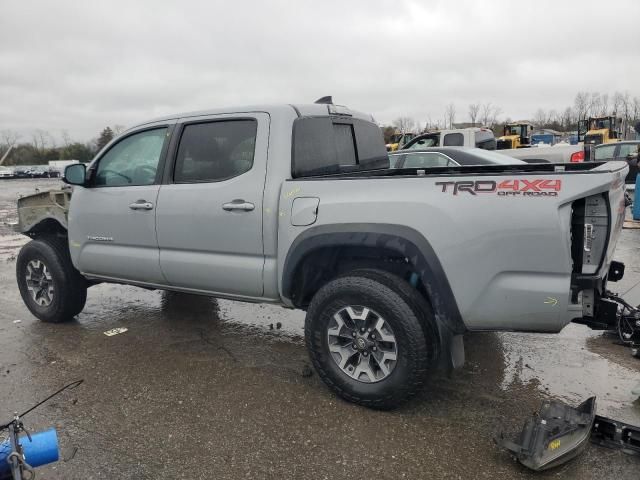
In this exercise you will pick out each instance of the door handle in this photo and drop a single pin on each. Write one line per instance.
(141, 205)
(238, 205)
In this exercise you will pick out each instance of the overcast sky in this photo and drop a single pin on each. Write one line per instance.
(82, 65)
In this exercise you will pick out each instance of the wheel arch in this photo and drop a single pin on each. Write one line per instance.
(324, 249)
(47, 226)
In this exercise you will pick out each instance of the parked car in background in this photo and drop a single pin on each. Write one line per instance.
(625, 151)
(39, 172)
(448, 157)
(475, 137)
(22, 172)
(6, 172)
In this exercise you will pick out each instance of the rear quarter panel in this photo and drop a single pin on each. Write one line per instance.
(506, 255)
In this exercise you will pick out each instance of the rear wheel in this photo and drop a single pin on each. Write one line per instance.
(371, 337)
(51, 288)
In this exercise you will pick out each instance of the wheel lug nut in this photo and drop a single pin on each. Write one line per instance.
(366, 354)
(362, 330)
(375, 349)
(353, 334)
(354, 345)
(373, 336)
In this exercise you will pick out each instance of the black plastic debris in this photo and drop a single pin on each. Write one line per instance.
(554, 435)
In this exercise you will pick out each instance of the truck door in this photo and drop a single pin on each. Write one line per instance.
(210, 209)
(112, 224)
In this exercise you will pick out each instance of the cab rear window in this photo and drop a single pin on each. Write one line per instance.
(329, 145)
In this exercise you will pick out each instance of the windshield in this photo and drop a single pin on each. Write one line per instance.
(599, 123)
(513, 130)
(424, 142)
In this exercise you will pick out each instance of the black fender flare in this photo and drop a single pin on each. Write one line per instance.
(399, 238)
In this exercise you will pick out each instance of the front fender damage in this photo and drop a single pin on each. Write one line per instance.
(42, 210)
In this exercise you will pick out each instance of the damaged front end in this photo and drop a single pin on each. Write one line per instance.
(43, 211)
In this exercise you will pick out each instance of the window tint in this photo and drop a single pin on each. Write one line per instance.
(454, 140)
(323, 145)
(214, 151)
(485, 140)
(132, 161)
(426, 160)
(627, 149)
(345, 148)
(605, 152)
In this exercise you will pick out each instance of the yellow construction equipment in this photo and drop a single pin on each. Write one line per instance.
(399, 140)
(516, 135)
(606, 129)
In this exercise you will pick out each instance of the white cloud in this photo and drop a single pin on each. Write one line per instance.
(82, 65)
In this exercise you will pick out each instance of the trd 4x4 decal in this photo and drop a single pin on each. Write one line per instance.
(539, 187)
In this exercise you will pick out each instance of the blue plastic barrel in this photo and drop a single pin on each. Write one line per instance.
(42, 449)
(636, 200)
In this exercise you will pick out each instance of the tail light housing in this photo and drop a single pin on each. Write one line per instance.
(577, 157)
(589, 233)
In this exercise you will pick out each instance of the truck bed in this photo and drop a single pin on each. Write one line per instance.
(502, 234)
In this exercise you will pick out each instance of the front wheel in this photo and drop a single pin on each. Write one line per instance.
(371, 338)
(50, 286)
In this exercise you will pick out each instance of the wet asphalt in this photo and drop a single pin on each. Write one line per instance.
(205, 389)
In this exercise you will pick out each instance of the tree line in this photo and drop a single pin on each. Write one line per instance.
(41, 147)
(585, 104)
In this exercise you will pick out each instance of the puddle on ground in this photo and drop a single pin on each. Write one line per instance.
(561, 365)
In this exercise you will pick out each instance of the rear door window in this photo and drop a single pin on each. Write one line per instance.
(627, 149)
(454, 140)
(215, 151)
(605, 152)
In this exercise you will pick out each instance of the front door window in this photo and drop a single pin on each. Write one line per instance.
(132, 161)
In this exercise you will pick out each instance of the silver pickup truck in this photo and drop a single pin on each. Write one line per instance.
(295, 205)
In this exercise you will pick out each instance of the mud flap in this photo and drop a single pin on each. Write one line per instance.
(553, 436)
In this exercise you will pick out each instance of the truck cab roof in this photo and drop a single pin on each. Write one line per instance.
(275, 110)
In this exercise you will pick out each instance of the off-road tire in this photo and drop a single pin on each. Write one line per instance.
(410, 318)
(70, 287)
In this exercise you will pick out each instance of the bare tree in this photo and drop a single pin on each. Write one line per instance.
(66, 138)
(405, 124)
(474, 110)
(581, 105)
(604, 104)
(594, 104)
(41, 140)
(9, 138)
(567, 118)
(489, 114)
(541, 118)
(118, 129)
(450, 114)
(617, 102)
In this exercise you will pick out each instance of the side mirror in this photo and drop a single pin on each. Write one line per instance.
(75, 174)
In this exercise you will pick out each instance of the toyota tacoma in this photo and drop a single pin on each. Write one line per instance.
(295, 205)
